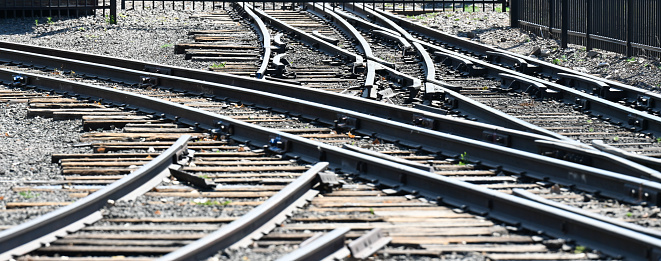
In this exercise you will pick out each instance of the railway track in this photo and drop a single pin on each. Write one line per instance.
(172, 98)
(338, 129)
(232, 48)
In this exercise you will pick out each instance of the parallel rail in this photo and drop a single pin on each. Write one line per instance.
(251, 225)
(610, 239)
(608, 183)
(31, 235)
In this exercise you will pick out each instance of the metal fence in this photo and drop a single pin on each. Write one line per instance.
(51, 8)
(395, 5)
(631, 27)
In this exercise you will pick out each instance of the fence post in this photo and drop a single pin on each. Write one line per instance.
(113, 12)
(564, 37)
(551, 16)
(588, 29)
(514, 13)
(629, 27)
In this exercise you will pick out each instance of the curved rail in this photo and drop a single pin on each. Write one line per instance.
(314, 41)
(630, 93)
(259, 220)
(427, 139)
(349, 30)
(535, 216)
(398, 113)
(596, 105)
(31, 235)
(456, 100)
(261, 29)
(633, 227)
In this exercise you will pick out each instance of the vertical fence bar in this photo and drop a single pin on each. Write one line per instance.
(588, 26)
(658, 24)
(564, 37)
(514, 13)
(551, 14)
(629, 37)
(113, 11)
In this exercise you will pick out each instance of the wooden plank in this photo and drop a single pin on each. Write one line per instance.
(451, 231)
(96, 171)
(109, 249)
(124, 242)
(412, 240)
(136, 236)
(466, 173)
(104, 164)
(385, 199)
(420, 214)
(36, 189)
(254, 175)
(173, 220)
(236, 194)
(369, 204)
(9, 205)
(109, 178)
(241, 169)
(338, 218)
(254, 180)
(539, 256)
(350, 193)
(387, 225)
(134, 136)
(64, 105)
(179, 227)
(371, 209)
(241, 163)
(327, 130)
(156, 130)
(490, 248)
(77, 258)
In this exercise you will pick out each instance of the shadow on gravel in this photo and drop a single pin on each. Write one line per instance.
(23, 25)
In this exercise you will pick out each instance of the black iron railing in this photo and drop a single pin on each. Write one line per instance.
(399, 5)
(57, 8)
(631, 27)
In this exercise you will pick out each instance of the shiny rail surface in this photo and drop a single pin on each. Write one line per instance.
(31, 235)
(612, 240)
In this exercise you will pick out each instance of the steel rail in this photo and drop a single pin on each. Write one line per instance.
(178, 81)
(312, 40)
(323, 248)
(68, 62)
(632, 94)
(633, 227)
(390, 130)
(456, 100)
(263, 32)
(604, 182)
(654, 163)
(350, 31)
(598, 106)
(255, 223)
(30, 235)
(531, 215)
